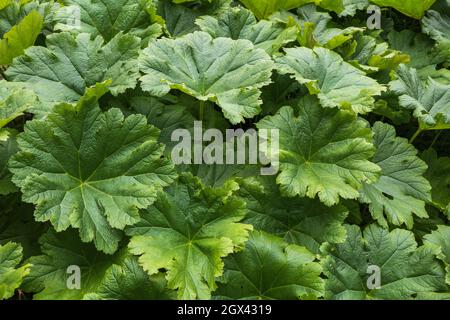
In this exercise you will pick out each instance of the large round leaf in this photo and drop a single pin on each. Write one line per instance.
(336, 82)
(108, 17)
(405, 270)
(323, 152)
(238, 23)
(188, 231)
(225, 71)
(402, 189)
(90, 170)
(62, 71)
(270, 268)
(302, 221)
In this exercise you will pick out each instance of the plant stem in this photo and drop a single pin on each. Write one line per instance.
(435, 139)
(418, 132)
(202, 109)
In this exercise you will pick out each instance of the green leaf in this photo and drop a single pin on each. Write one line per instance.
(225, 71)
(20, 37)
(438, 174)
(107, 18)
(418, 46)
(179, 18)
(70, 64)
(90, 170)
(402, 189)
(165, 115)
(7, 149)
(283, 91)
(437, 25)
(212, 117)
(17, 224)
(92, 91)
(344, 7)
(389, 107)
(412, 8)
(321, 31)
(269, 268)
(52, 273)
(424, 226)
(323, 152)
(11, 276)
(4, 135)
(264, 8)
(128, 281)
(371, 56)
(216, 175)
(15, 99)
(327, 75)
(12, 12)
(302, 221)
(430, 100)
(187, 232)
(440, 240)
(424, 55)
(238, 23)
(406, 271)
(441, 75)
(315, 27)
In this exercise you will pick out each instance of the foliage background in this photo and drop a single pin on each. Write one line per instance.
(86, 179)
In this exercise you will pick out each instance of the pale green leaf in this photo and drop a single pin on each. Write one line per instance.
(344, 7)
(430, 100)
(13, 11)
(440, 239)
(109, 17)
(239, 23)
(323, 152)
(406, 270)
(15, 99)
(412, 8)
(20, 37)
(315, 28)
(371, 56)
(11, 276)
(53, 273)
(128, 281)
(437, 25)
(334, 81)
(264, 8)
(269, 268)
(225, 71)
(188, 231)
(62, 71)
(90, 170)
(302, 221)
(402, 189)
